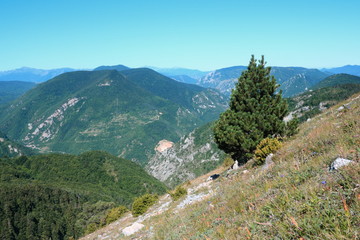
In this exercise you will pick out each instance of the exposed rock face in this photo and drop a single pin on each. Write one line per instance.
(194, 155)
(163, 145)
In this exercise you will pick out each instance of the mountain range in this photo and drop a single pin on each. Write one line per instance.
(10, 90)
(27, 74)
(125, 113)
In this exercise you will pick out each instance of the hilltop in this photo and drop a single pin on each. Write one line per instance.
(294, 196)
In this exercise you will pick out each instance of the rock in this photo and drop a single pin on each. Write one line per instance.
(132, 229)
(339, 162)
(268, 161)
(245, 171)
(235, 165)
(340, 108)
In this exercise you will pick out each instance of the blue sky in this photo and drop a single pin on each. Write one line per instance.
(199, 34)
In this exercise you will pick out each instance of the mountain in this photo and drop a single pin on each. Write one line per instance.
(292, 80)
(194, 155)
(192, 73)
(116, 67)
(125, 113)
(306, 105)
(57, 196)
(184, 79)
(9, 148)
(26, 74)
(294, 195)
(10, 90)
(337, 79)
(349, 69)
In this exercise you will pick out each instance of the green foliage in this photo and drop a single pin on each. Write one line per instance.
(142, 203)
(228, 161)
(178, 192)
(337, 79)
(255, 112)
(115, 213)
(10, 90)
(10, 148)
(60, 196)
(264, 148)
(292, 127)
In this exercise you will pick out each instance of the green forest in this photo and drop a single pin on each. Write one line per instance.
(58, 196)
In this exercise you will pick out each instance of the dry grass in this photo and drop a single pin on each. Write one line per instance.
(297, 198)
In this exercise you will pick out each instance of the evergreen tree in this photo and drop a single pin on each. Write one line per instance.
(256, 111)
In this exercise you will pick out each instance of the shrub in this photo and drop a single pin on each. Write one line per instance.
(178, 193)
(142, 203)
(115, 213)
(228, 161)
(264, 148)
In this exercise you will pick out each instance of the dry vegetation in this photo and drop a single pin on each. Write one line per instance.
(297, 197)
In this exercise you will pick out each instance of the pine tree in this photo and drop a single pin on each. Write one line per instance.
(255, 112)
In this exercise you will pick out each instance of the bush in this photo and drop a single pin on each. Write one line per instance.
(142, 203)
(178, 193)
(264, 148)
(228, 161)
(115, 213)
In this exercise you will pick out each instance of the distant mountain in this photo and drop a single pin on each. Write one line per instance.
(184, 79)
(292, 80)
(125, 113)
(9, 148)
(193, 73)
(58, 196)
(10, 90)
(195, 154)
(349, 69)
(116, 67)
(337, 79)
(26, 74)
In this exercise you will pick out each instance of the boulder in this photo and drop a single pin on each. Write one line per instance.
(339, 162)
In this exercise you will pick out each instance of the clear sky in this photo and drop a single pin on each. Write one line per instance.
(199, 34)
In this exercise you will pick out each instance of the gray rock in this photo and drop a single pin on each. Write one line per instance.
(132, 229)
(340, 162)
(268, 161)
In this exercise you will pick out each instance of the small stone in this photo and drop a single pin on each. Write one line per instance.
(339, 162)
(132, 229)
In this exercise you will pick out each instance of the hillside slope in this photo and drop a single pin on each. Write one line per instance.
(125, 113)
(294, 196)
(194, 155)
(10, 148)
(10, 90)
(58, 196)
(313, 102)
(337, 79)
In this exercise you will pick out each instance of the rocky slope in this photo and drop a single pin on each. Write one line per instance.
(194, 155)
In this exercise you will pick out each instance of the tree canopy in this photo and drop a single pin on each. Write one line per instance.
(256, 111)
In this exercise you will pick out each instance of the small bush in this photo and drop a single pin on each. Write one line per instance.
(178, 193)
(115, 213)
(92, 227)
(142, 203)
(228, 161)
(264, 148)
